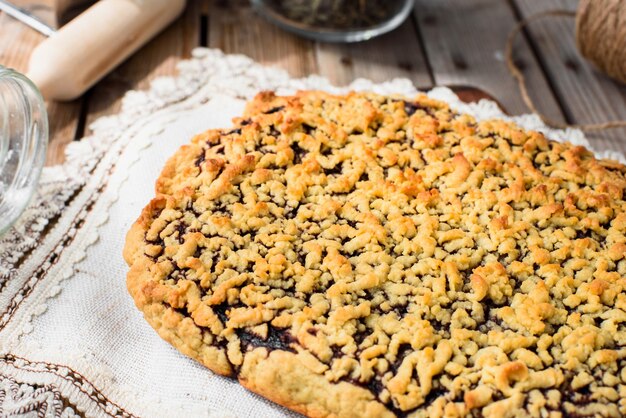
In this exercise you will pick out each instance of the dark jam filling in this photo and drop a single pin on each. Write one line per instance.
(274, 110)
(290, 213)
(274, 132)
(410, 108)
(181, 228)
(298, 153)
(336, 170)
(236, 131)
(277, 339)
(375, 386)
(201, 158)
(220, 311)
(282, 339)
(308, 129)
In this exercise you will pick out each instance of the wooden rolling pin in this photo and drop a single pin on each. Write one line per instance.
(73, 59)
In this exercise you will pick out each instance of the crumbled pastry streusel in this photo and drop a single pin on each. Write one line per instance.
(364, 255)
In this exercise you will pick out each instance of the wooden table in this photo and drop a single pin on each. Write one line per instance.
(444, 42)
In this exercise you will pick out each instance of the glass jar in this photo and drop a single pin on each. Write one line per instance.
(336, 20)
(23, 143)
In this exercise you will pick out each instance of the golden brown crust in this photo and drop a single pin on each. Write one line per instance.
(366, 256)
(272, 375)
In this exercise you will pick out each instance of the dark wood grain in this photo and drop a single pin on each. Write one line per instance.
(447, 42)
(236, 29)
(464, 43)
(393, 55)
(16, 43)
(585, 95)
(157, 58)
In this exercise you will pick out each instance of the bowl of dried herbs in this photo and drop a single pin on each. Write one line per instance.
(336, 20)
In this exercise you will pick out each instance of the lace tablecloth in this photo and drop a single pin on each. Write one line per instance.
(71, 340)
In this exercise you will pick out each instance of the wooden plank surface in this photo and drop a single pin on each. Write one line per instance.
(585, 95)
(16, 43)
(393, 55)
(236, 29)
(379, 59)
(157, 58)
(464, 43)
(445, 42)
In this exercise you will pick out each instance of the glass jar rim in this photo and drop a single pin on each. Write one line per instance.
(23, 143)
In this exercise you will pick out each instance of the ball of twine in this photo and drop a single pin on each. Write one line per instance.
(600, 37)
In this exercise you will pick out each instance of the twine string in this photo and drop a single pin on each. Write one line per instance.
(601, 35)
(521, 80)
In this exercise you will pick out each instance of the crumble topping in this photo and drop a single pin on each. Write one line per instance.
(448, 266)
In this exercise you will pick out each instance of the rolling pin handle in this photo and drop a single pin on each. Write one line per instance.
(73, 59)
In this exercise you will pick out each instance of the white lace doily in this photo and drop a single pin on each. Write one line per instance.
(71, 340)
